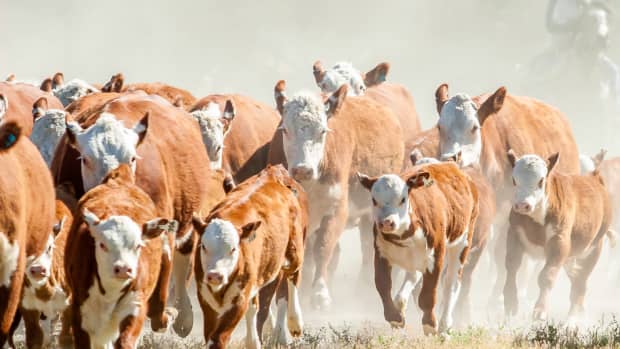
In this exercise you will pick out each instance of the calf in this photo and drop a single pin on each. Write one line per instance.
(26, 217)
(114, 261)
(252, 241)
(176, 96)
(325, 143)
(49, 127)
(560, 218)
(423, 217)
(236, 131)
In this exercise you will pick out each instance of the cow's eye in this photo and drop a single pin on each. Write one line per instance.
(514, 182)
(103, 247)
(133, 159)
(374, 202)
(474, 129)
(218, 148)
(233, 250)
(540, 183)
(204, 248)
(402, 202)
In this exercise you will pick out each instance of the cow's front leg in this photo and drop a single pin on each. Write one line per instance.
(556, 251)
(428, 294)
(514, 258)
(130, 329)
(226, 324)
(456, 255)
(383, 283)
(404, 293)
(181, 270)
(35, 336)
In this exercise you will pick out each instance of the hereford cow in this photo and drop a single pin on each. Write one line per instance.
(483, 229)
(423, 217)
(251, 242)
(22, 97)
(26, 217)
(236, 131)
(560, 218)
(169, 162)
(48, 128)
(483, 128)
(71, 91)
(116, 255)
(176, 96)
(373, 85)
(325, 143)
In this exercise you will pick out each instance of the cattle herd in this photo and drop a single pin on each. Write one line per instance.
(114, 197)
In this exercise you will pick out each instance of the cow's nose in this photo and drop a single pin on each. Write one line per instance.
(388, 225)
(301, 173)
(38, 271)
(214, 278)
(522, 207)
(122, 272)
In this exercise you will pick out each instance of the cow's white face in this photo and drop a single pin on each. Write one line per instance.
(104, 146)
(305, 131)
(118, 240)
(390, 199)
(219, 252)
(459, 130)
(73, 90)
(343, 73)
(529, 177)
(212, 130)
(39, 268)
(47, 131)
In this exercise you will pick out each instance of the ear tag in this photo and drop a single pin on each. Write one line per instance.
(10, 140)
(172, 227)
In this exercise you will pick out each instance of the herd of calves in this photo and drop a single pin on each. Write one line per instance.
(114, 197)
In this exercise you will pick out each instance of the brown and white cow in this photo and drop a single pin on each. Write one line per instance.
(374, 86)
(424, 223)
(48, 128)
(236, 131)
(26, 216)
(483, 128)
(178, 97)
(115, 260)
(71, 91)
(483, 229)
(22, 96)
(250, 243)
(560, 218)
(170, 165)
(325, 144)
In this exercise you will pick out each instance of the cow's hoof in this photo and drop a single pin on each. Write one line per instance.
(401, 304)
(539, 315)
(295, 327)
(283, 337)
(429, 330)
(321, 301)
(397, 324)
(183, 324)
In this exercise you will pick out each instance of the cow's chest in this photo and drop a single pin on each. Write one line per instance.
(220, 304)
(103, 314)
(49, 307)
(411, 254)
(533, 238)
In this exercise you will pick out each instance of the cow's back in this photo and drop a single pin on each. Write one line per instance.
(171, 93)
(21, 97)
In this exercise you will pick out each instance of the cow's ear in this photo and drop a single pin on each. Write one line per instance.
(377, 75)
(73, 131)
(248, 231)
(39, 108)
(279, 94)
(366, 181)
(198, 223)
(512, 157)
(4, 105)
(141, 128)
(9, 135)
(115, 84)
(58, 80)
(319, 72)
(46, 85)
(419, 179)
(228, 115)
(492, 105)
(552, 161)
(155, 227)
(10, 78)
(415, 156)
(178, 102)
(599, 157)
(441, 97)
(335, 101)
(228, 183)
(90, 218)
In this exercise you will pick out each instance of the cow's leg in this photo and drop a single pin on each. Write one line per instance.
(159, 315)
(428, 294)
(579, 272)
(209, 318)
(366, 239)
(226, 324)
(181, 269)
(325, 244)
(10, 294)
(404, 293)
(130, 329)
(265, 296)
(498, 255)
(282, 331)
(252, 339)
(383, 283)
(456, 255)
(65, 340)
(35, 336)
(295, 318)
(81, 339)
(464, 303)
(556, 251)
(14, 327)
(514, 258)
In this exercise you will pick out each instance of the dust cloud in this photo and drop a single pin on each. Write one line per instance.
(246, 46)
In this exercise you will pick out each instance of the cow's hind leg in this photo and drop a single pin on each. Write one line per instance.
(579, 271)
(160, 317)
(455, 256)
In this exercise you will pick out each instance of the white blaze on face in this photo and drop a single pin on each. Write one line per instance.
(305, 131)
(9, 256)
(390, 195)
(343, 73)
(529, 175)
(118, 240)
(39, 268)
(219, 252)
(459, 130)
(73, 90)
(47, 131)
(104, 146)
(212, 131)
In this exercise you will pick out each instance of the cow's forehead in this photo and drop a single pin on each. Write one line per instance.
(52, 117)
(108, 132)
(120, 231)
(220, 232)
(458, 110)
(388, 187)
(530, 168)
(304, 109)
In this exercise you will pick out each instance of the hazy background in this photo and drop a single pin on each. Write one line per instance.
(246, 46)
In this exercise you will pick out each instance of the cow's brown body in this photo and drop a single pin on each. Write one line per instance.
(21, 97)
